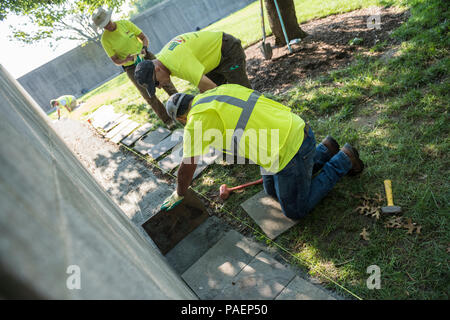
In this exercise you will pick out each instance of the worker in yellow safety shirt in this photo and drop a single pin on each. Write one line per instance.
(204, 58)
(67, 101)
(127, 45)
(243, 121)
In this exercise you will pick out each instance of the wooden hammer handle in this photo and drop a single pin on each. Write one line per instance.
(246, 185)
(388, 188)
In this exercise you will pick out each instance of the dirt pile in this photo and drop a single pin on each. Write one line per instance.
(325, 48)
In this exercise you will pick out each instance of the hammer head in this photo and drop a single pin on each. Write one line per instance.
(224, 192)
(391, 209)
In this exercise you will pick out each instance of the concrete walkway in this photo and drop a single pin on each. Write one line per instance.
(215, 261)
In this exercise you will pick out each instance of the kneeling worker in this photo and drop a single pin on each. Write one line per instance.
(205, 58)
(232, 117)
(69, 102)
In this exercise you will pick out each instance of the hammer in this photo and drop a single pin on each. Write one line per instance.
(225, 191)
(390, 208)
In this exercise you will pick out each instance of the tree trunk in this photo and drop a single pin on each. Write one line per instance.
(287, 10)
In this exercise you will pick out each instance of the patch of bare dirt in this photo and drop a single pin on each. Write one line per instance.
(325, 48)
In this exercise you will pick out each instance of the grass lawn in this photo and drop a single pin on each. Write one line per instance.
(395, 111)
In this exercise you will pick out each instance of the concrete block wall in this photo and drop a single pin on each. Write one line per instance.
(54, 215)
(86, 67)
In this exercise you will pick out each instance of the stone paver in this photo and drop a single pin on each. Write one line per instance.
(301, 289)
(267, 213)
(166, 144)
(172, 160)
(197, 243)
(113, 123)
(215, 269)
(139, 132)
(106, 119)
(262, 279)
(125, 132)
(152, 139)
(118, 128)
(98, 116)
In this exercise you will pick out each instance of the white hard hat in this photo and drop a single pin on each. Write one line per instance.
(176, 101)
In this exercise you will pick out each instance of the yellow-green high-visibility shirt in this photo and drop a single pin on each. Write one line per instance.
(65, 100)
(271, 133)
(191, 55)
(122, 41)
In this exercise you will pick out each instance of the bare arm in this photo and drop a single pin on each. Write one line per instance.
(206, 84)
(144, 39)
(120, 62)
(185, 174)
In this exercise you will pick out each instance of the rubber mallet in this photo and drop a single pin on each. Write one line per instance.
(390, 208)
(225, 192)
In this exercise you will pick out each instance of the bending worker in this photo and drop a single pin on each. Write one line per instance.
(127, 45)
(69, 102)
(234, 118)
(204, 58)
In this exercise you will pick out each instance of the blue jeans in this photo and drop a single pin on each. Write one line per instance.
(294, 187)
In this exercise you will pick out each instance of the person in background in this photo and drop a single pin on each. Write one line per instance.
(127, 45)
(67, 101)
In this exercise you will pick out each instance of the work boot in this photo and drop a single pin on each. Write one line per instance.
(357, 164)
(331, 145)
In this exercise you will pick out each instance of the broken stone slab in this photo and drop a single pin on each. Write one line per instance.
(133, 137)
(194, 245)
(118, 128)
(172, 160)
(165, 145)
(125, 132)
(219, 265)
(113, 123)
(301, 289)
(152, 139)
(262, 279)
(266, 212)
(167, 228)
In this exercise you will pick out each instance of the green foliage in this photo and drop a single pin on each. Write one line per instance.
(55, 19)
(23, 7)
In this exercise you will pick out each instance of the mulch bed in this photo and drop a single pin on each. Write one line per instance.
(325, 48)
